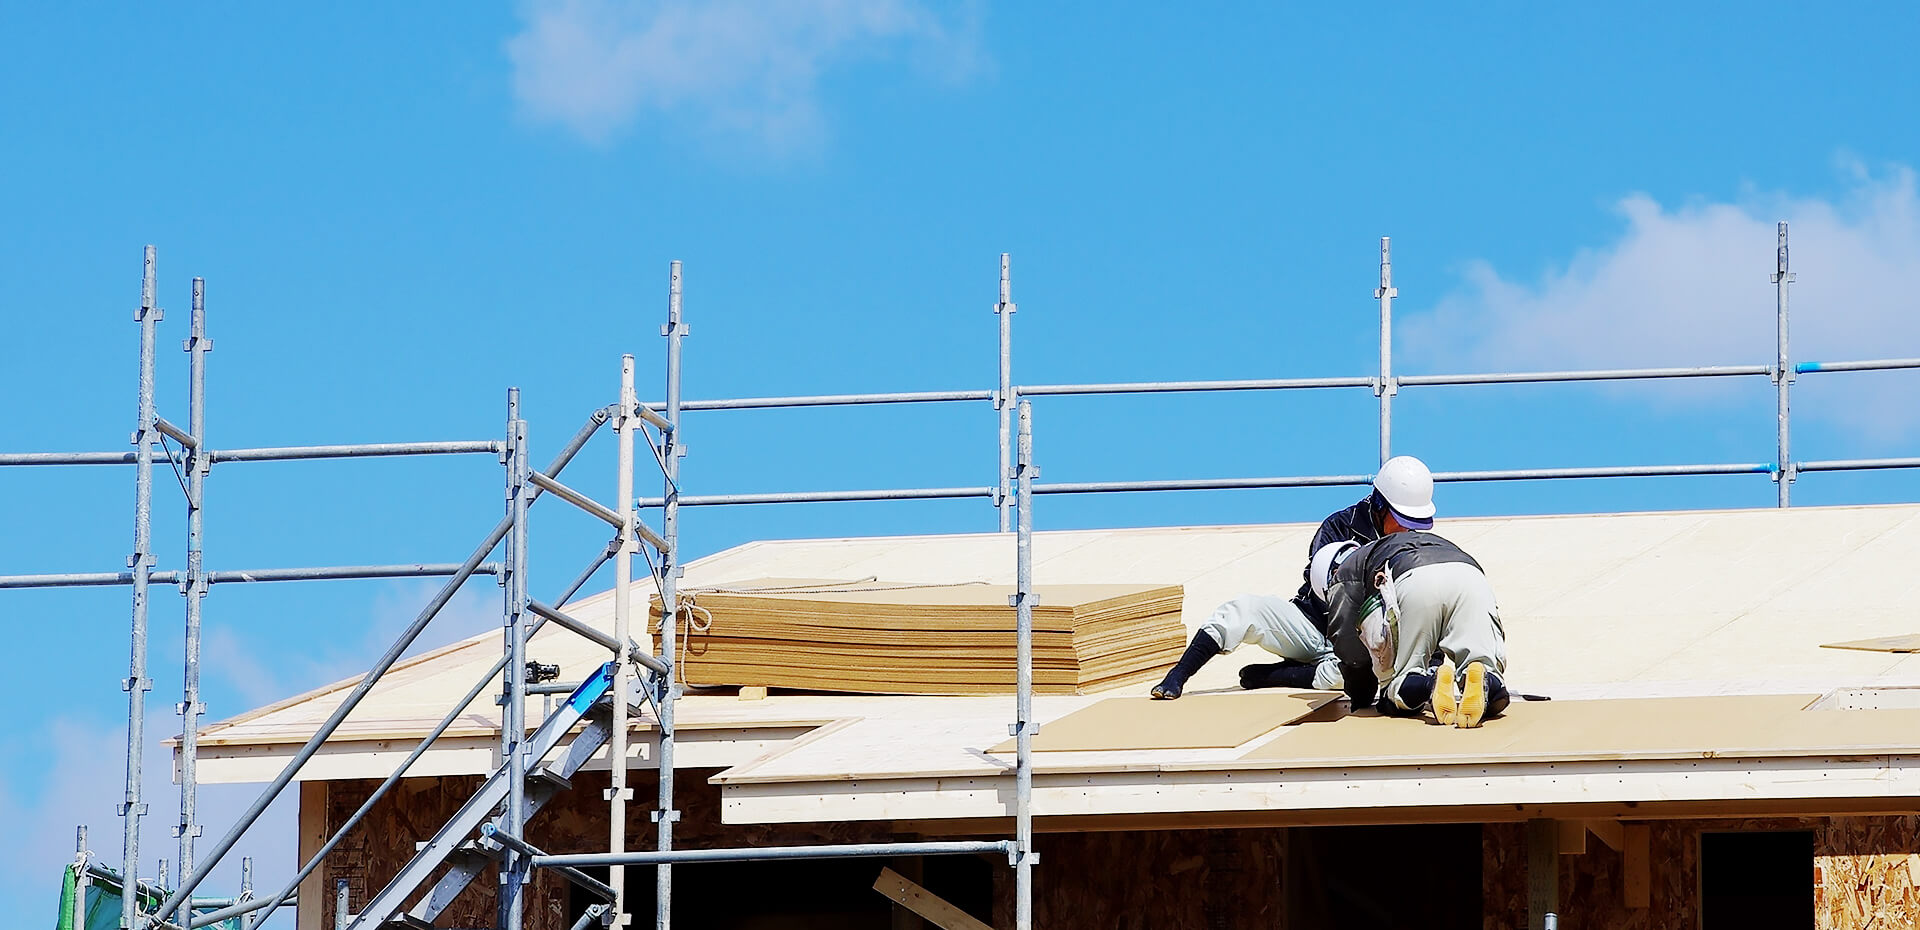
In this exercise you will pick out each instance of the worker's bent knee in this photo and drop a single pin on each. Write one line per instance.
(1413, 692)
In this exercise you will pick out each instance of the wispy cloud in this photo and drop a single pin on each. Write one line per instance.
(1689, 285)
(740, 67)
(236, 659)
(77, 778)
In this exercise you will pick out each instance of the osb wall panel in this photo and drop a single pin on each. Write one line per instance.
(1203, 879)
(575, 821)
(1866, 872)
(372, 852)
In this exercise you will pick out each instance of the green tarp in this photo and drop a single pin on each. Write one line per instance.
(102, 911)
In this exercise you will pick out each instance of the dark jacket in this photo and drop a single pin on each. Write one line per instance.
(1353, 584)
(1354, 524)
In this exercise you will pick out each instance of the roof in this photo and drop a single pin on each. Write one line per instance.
(1602, 612)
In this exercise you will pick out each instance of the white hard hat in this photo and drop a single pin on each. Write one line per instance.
(1407, 486)
(1320, 570)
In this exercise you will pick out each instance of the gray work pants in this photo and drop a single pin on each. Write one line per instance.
(1276, 625)
(1447, 606)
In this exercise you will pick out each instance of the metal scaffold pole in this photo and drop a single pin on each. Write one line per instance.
(1386, 387)
(618, 793)
(513, 723)
(1782, 375)
(141, 561)
(1024, 599)
(671, 451)
(194, 584)
(1003, 399)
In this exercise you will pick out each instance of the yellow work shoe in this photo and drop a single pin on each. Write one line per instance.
(1473, 697)
(1445, 706)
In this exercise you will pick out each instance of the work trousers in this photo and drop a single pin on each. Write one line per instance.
(1449, 607)
(1276, 625)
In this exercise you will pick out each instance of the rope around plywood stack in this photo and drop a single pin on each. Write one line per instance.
(699, 619)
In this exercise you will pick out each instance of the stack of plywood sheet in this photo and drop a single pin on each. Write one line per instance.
(880, 638)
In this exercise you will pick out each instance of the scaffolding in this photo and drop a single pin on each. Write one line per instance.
(488, 834)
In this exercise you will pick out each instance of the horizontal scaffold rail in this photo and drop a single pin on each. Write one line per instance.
(295, 453)
(1279, 384)
(323, 573)
(833, 400)
(1880, 364)
(265, 454)
(1858, 464)
(1302, 481)
(820, 497)
(1600, 374)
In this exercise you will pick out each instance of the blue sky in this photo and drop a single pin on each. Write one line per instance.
(402, 211)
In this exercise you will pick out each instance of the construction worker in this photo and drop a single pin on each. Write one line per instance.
(1396, 603)
(1295, 629)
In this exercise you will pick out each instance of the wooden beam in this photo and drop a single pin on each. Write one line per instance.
(1573, 837)
(315, 891)
(1609, 832)
(1637, 873)
(912, 869)
(925, 903)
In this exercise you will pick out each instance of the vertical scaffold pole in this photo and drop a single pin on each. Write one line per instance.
(513, 722)
(246, 891)
(671, 451)
(1003, 400)
(617, 792)
(194, 585)
(141, 561)
(80, 880)
(1784, 472)
(1387, 387)
(1024, 600)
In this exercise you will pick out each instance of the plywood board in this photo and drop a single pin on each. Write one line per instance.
(1197, 721)
(1645, 728)
(1909, 642)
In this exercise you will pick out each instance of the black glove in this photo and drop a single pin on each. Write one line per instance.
(1361, 686)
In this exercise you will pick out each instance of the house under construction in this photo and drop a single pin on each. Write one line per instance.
(1758, 765)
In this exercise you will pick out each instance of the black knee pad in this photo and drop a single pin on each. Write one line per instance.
(1415, 691)
(1277, 675)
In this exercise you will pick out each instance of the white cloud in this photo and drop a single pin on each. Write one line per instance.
(1689, 285)
(749, 67)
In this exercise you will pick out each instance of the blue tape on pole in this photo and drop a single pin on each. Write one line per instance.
(591, 689)
(1804, 367)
